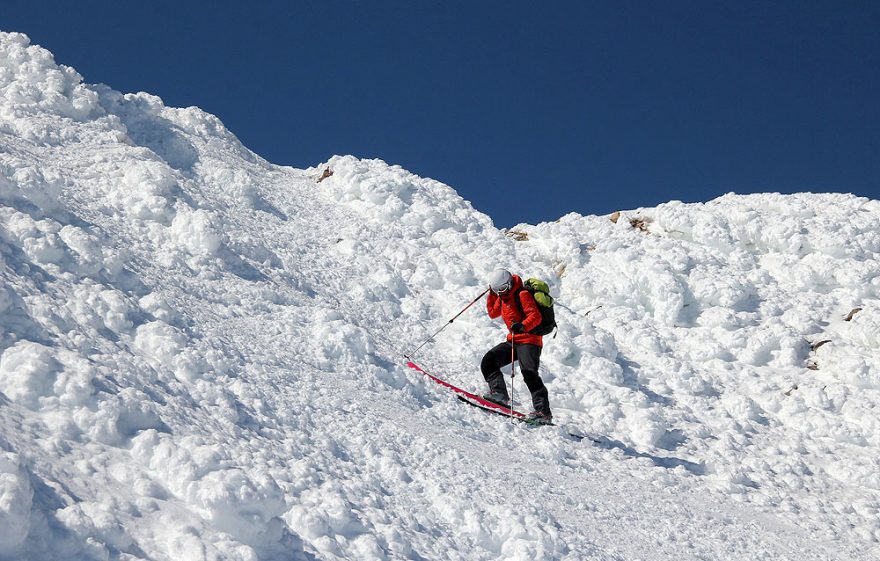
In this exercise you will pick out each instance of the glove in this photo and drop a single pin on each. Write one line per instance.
(517, 327)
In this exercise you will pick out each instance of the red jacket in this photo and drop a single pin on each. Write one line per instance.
(505, 307)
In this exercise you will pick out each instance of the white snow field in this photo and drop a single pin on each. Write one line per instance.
(201, 358)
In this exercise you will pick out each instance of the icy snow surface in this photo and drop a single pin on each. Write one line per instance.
(201, 358)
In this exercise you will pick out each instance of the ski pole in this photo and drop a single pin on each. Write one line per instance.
(512, 364)
(447, 324)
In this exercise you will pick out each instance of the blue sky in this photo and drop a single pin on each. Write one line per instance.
(530, 110)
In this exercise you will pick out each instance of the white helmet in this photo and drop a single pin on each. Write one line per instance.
(500, 281)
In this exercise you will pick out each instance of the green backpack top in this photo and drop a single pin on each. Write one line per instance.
(540, 291)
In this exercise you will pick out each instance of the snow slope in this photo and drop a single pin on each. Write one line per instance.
(201, 358)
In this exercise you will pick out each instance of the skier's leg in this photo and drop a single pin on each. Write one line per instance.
(529, 357)
(491, 365)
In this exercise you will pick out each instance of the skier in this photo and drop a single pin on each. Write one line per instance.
(517, 307)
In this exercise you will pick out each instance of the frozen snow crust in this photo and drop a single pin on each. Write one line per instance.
(201, 358)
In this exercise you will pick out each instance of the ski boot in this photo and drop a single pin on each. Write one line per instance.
(539, 418)
(498, 398)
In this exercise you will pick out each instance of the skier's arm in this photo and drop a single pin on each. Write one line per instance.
(530, 308)
(493, 305)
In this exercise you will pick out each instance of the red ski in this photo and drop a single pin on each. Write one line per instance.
(470, 398)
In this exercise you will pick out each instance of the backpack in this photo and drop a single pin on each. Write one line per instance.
(541, 293)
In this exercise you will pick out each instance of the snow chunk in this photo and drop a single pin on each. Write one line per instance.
(40, 185)
(329, 521)
(73, 385)
(239, 503)
(159, 342)
(337, 342)
(37, 238)
(27, 373)
(100, 308)
(197, 231)
(96, 523)
(864, 328)
(88, 255)
(156, 305)
(145, 191)
(645, 426)
(16, 496)
(177, 463)
(120, 418)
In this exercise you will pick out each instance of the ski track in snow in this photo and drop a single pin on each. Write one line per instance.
(201, 357)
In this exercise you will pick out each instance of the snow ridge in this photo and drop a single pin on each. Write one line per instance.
(201, 358)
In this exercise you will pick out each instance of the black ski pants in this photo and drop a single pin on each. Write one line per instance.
(529, 357)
